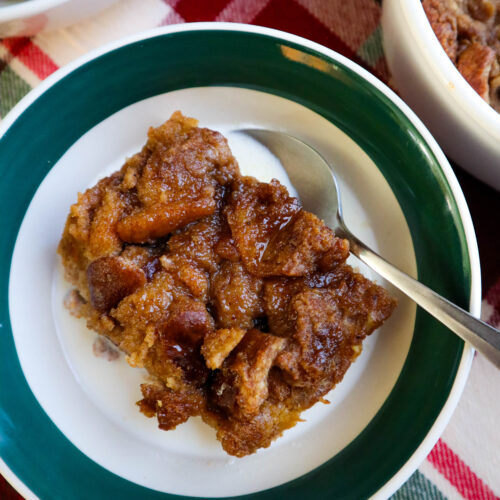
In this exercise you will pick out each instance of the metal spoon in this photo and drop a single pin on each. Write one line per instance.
(319, 192)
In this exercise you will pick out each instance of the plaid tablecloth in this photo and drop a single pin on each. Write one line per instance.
(465, 463)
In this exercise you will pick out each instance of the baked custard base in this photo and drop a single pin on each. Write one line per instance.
(237, 301)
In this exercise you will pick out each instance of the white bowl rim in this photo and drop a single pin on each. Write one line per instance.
(463, 370)
(464, 97)
(27, 9)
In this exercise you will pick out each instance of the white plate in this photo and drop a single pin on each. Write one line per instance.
(92, 400)
(99, 416)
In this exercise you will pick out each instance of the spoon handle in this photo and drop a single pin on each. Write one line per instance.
(480, 335)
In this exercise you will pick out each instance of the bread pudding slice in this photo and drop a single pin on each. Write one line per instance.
(237, 301)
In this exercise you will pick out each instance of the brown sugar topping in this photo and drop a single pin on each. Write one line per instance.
(237, 302)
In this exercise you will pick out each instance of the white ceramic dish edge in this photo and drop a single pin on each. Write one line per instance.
(463, 123)
(475, 297)
(26, 9)
(35, 16)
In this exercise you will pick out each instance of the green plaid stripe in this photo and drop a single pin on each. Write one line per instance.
(371, 50)
(416, 488)
(12, 89)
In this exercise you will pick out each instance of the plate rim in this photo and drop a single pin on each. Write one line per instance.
(475, 285)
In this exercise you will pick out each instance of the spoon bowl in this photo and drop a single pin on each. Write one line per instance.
(319, 193)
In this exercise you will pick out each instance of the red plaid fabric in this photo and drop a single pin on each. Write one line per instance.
(465, 463)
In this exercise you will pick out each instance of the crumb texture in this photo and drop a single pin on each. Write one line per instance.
(237, 302)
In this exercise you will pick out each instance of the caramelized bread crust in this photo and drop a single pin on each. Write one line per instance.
(237, 301)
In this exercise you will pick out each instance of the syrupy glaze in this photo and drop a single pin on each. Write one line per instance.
(237, 301)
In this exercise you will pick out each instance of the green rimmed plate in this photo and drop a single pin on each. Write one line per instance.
(401, 196)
